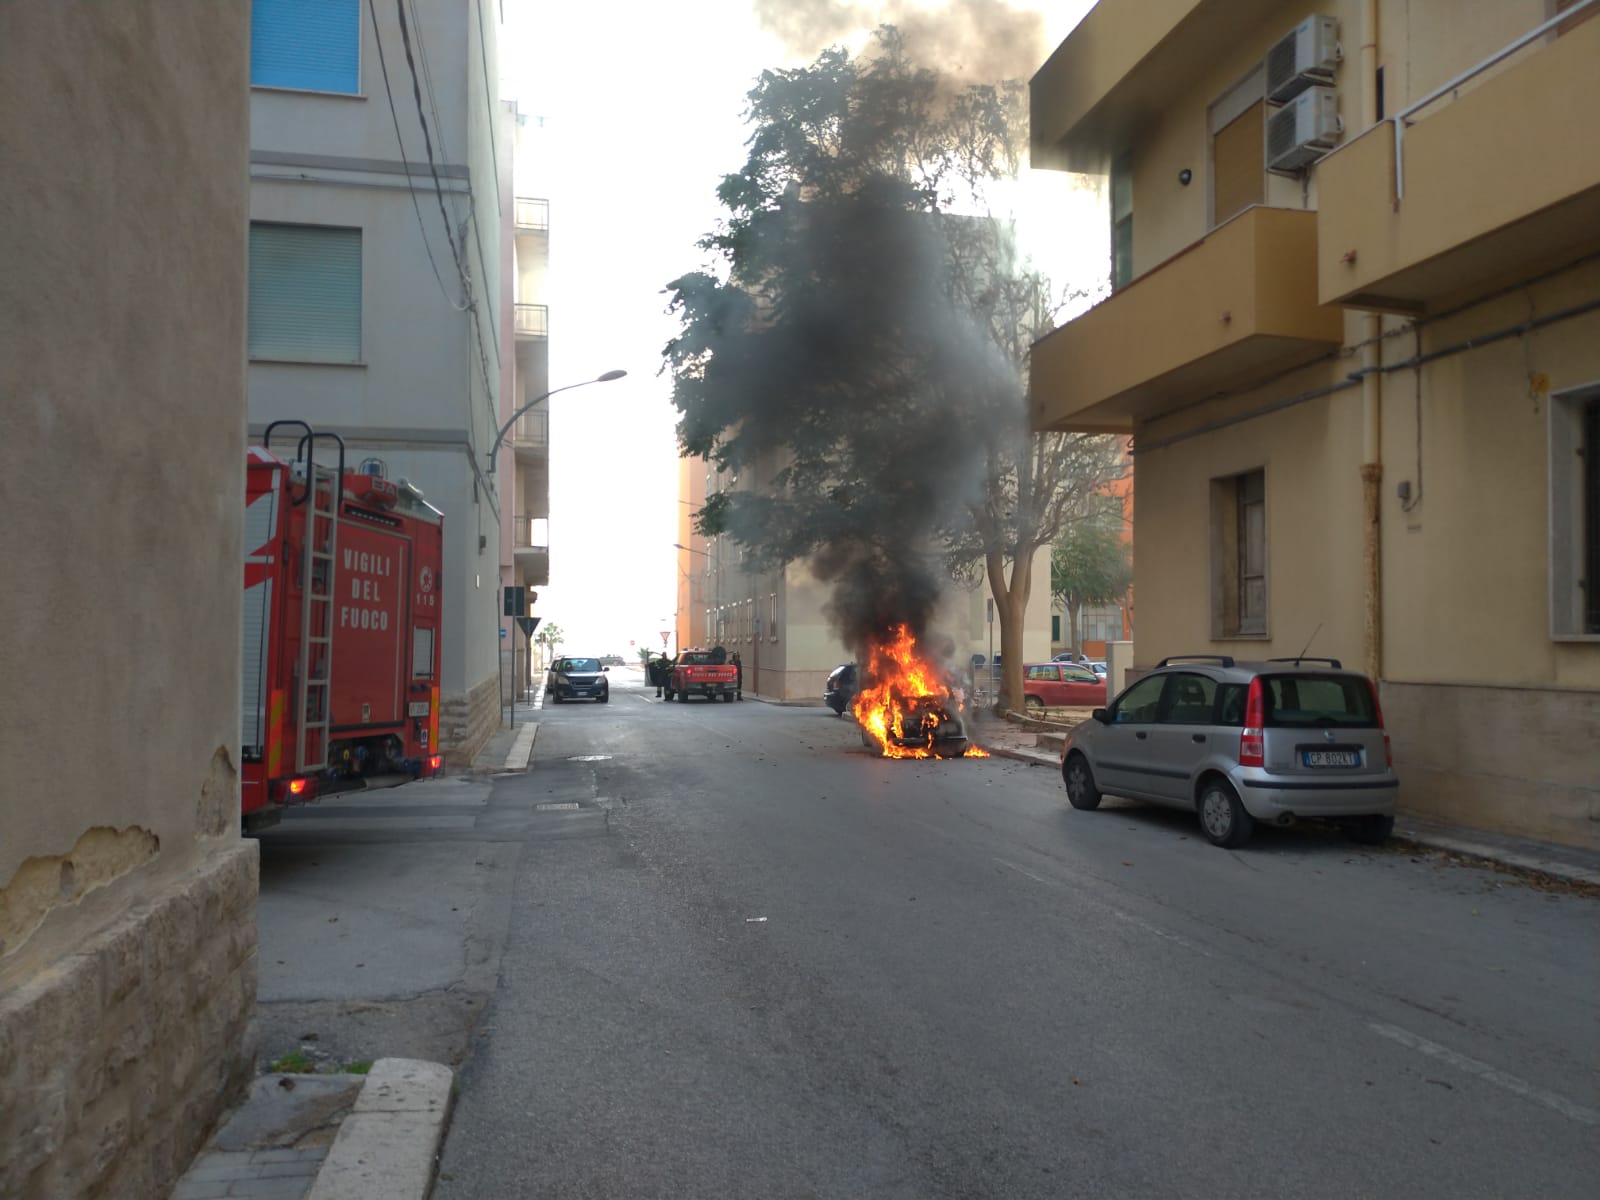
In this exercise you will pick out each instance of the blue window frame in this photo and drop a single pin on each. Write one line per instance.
(308, 45)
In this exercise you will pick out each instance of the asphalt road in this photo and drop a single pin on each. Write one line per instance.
(744, 958)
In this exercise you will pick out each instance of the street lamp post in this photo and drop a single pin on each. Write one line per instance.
(512, 420)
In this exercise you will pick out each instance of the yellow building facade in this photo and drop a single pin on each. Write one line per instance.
(1355, 334)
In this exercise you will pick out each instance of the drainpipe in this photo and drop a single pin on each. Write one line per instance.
(1371, 398)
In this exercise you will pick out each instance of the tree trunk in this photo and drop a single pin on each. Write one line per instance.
(1074, 611)
(1011, 607)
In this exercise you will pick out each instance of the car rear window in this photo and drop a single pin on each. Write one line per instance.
(695, 660)
(1307, 701)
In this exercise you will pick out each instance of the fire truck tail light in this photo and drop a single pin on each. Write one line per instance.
(297, 787)
(436, 762)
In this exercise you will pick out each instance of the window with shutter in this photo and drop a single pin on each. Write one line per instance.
(307, 45)
(1122, 221)
(1238, 147)
(305, 293)
(1239, 556)
(1575, 514)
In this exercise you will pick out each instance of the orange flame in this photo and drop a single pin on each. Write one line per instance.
(896, 710)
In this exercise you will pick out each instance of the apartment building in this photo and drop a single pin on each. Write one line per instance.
(777, 620)
(525, 458)
(377, 247)
(1355, 334)
(695, 559)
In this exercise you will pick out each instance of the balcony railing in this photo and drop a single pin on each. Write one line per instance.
(1234, 308)
(532, 429)
(1405, 218)
(531, 533)
(533, 214)
(533, 320)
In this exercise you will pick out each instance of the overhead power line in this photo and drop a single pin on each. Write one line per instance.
(404, 162)
(427, 142)
(438, 188)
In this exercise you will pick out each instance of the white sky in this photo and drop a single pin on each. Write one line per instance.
(643, 103)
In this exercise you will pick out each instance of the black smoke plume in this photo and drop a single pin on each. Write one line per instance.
(846, 368)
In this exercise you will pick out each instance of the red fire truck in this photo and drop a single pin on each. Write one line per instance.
(341, 626)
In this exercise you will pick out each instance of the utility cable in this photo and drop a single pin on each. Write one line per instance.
(427, 143)
(427, 82)
(410, 186)
(438, 188)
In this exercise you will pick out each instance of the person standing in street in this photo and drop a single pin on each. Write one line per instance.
(738, 679)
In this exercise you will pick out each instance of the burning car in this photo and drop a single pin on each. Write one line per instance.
(905, 706)
(924, 725)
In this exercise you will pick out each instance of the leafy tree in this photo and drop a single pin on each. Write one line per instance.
(859, 347)
(1091, 563)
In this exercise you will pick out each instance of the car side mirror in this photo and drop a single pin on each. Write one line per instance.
(606, 670)
(1103, 715)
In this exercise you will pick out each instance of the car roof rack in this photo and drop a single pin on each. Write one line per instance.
(1305, 658)
(1222, 660)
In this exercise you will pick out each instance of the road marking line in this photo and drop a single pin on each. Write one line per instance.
(556, 806)
(522, 748)
(1117, 912)
(1162, 933)
(1024, 871)
(1484, 1071)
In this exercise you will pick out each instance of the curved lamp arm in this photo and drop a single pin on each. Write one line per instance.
(500, 437)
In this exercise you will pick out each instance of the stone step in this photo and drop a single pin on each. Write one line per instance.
(1051, 741)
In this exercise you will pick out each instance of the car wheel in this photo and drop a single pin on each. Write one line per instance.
(1081, 791)
(727, 697)
(604, 697)
(1372, 830)
(1033, 702)
(557, 695)
(1222, 817)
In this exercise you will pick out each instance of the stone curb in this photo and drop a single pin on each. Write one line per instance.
(386, 1148)
(1467, 848)
(1032, 757)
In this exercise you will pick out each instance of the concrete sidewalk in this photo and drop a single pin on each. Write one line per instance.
(511, 748)
(1570, 864)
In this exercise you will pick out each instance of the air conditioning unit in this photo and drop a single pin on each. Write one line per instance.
(1302, 58)
(1303, 130)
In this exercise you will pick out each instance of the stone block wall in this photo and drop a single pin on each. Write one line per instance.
(467, 721)
(1512, 760)
(116, 1058)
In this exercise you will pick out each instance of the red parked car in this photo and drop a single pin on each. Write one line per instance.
(1062, 685)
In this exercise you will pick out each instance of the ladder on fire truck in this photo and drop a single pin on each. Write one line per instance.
(324, 489)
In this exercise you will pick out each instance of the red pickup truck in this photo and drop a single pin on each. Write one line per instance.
(699, 673)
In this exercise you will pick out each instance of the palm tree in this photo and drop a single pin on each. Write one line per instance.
(550, 637)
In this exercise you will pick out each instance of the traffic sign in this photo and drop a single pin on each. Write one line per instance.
(528, 625)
